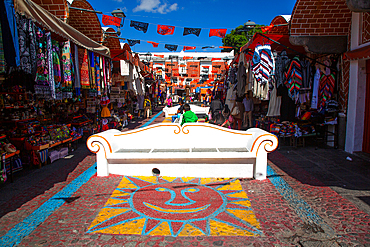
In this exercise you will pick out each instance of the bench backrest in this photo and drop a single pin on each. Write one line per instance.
(190, 135)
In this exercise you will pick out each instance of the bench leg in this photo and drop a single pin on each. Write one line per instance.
(102, 165)
(260, 168)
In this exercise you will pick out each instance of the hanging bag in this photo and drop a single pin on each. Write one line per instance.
(235, 111)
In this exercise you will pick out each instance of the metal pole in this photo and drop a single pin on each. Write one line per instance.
(87, 10)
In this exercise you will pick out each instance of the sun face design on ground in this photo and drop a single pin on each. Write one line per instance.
(167, 206)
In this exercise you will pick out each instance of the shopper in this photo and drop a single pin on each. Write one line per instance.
(188, 116)
(248, 110)
(147, 107)
(180, 111)
(237, 112)
(169, 101)
(216, 107)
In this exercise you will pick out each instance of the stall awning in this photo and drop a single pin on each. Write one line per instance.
(49, 21)
(277, 42)
(360, 53)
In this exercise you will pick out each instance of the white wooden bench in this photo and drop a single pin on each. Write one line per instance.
(191, 150)
(198, 110)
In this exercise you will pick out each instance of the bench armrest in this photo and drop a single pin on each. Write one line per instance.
(261, 137)
(103, 141)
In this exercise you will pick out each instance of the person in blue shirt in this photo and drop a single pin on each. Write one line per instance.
(179, 111)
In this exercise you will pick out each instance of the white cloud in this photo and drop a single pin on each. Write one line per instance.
(173, 7)
(155, 6)
(119, 1)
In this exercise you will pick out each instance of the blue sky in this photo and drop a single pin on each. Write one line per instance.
(194, 14)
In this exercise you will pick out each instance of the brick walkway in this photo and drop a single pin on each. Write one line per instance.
(302, 203)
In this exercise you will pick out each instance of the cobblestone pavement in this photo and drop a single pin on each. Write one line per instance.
(311, 198)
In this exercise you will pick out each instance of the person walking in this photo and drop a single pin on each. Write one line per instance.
(248, 110)
(169, 101)
(237, 112)
(147, 107)
(216, 106)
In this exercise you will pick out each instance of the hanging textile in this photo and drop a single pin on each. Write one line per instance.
(306, 73)
(56, 64)
(50, 65)
(282, 61)
(104, 75)
(98, 81)
(77, 74)
(2, 57)
(27, 44)
(274, 103)
(9, 33)
(326, 89)
(315, 89)
(242, 77)
(42, 75)
(66, 62)
(92, 68)
(294, 78)
(85, 80)
(101, 74)
(262, 63)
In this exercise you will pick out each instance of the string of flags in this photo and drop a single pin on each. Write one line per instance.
(169, 30)
(162, 29)
(170, 47)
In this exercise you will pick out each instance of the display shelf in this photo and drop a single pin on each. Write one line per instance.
(13, 92)
(67, 140)
(18, 121)
(55, 144)
(75, 139)
(36, 148)
(7, 156)
(82, 123)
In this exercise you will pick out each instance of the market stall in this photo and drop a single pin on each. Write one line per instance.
(294, 92)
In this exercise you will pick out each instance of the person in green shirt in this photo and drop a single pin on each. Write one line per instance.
(188, 116)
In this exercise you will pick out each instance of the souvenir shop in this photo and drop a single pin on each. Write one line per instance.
(53, 82)
(294, 93)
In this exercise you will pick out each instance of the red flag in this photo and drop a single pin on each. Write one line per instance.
(267, 28)
(111, 20)
(215, 59)
(153, 43)
(226, 47)
(165, 30)
(217, 32)
(189, 48)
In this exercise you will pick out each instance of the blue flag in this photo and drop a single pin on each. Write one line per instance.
(171, 47)
(141, 26)
(188, 30)
(132, 42)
